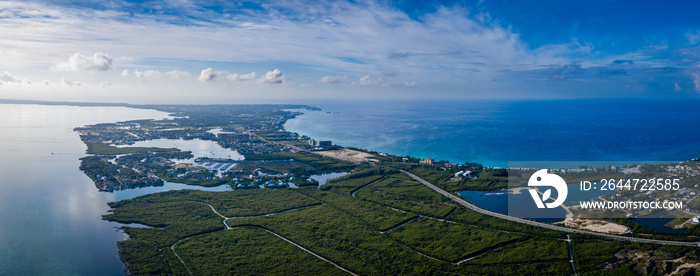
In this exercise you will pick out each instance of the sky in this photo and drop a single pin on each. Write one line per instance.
(245, 51)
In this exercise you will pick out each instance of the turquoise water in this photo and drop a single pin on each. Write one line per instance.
(50, 212)
(496, 132)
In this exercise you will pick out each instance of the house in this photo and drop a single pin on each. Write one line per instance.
(427, 161)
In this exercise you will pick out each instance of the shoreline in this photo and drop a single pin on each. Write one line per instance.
(362, 155)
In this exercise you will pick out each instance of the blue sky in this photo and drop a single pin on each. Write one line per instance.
(226, 51)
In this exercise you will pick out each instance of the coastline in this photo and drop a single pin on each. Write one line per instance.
(495, 132)
(290, 144)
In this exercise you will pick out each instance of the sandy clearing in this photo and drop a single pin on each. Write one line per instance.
(348, 155)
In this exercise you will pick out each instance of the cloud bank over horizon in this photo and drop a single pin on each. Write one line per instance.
(339, 49)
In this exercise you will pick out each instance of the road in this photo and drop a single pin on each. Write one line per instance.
(172, 247)
(309, 251)
(571, 254)
(541, 224)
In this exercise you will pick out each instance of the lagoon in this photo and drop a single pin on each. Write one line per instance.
(522, 205)
(323, 178)
(198, 147)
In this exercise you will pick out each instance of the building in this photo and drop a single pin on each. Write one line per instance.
(427, 161)
(320, 143)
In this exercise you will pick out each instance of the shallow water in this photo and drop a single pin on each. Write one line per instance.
(198, 147)
(323, 178)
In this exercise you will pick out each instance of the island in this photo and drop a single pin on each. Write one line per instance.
(386, 214)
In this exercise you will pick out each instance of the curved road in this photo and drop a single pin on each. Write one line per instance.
(541, 224)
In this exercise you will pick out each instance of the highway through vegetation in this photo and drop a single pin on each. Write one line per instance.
(544, 225)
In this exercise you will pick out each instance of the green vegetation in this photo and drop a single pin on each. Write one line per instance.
(249, 251)
(377, 217)
(176, 215)
(236, 203)
(108, 176)
(488, 180)
(450, 242)
(163, 214)
(365, 236)
(466, 216)
(694, 204)
(374, 221)
(538, 256)
(107, 149)
(342, 239)
(600, 257)
(398, 192)
(144, 258)
(317, 164)
(204, 179)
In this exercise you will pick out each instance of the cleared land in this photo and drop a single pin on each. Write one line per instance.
(348, 155)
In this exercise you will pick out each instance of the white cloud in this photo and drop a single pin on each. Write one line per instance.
(147, 73)
(562, 72)
(6, 78)
(677, 88)
(81, 63)
(106, 84)
(693, 37)
(379, 80)
(274, 76)
(352, 37)
(210, 74)
(333, 79)
(371, 80)
(253, 26)
(696, 80)
(175, 74)
(244, 77)
(407, 84)
(357, 37)
(67, 82)
(125, 73)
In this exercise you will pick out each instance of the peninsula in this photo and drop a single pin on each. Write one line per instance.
(387, 215)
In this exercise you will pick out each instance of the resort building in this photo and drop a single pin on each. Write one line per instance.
(427, 161)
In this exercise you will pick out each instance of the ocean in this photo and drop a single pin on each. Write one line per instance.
(494, 132)
(50, 212)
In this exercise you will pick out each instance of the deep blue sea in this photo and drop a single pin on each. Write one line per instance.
(495, 132)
